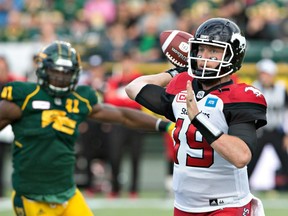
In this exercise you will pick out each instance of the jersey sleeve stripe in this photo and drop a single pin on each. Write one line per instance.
(29, 96)
(84, 100)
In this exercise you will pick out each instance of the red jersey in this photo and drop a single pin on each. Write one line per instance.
(204, 181)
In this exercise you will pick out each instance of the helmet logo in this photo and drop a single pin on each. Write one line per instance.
(241, 39)
(64, 62)
(204, 37)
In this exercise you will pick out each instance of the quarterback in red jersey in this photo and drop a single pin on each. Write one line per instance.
(215, 122)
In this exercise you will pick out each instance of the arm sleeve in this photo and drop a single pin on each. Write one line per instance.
(150, 97)
(237, 113)
(246, 132)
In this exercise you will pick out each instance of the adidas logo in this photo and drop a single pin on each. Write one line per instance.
(213, 202)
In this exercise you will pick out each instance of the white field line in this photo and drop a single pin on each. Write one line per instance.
(157, 203)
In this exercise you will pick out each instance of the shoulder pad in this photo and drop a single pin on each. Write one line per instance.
(245, 93)
(178, 83)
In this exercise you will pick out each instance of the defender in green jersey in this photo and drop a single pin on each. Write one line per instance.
(45, 117)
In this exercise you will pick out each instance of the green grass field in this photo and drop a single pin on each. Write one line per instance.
(153, 204)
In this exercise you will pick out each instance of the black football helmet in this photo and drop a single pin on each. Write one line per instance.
(58, 68)
(221, 33)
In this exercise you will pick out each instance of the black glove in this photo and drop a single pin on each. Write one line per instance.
(174, 71)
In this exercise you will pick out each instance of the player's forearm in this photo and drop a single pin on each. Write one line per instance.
(233, 149)
(4, 123)
(133, 88)
(138, 119)
(129, 117)
(9, 112)
(285, 142)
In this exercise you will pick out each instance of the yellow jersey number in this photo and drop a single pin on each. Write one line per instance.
(59, 119)
(7, 93)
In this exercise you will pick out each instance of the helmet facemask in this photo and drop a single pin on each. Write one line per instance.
(206, 72)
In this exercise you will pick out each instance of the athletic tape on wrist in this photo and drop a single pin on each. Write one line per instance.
(161, 126)
(157, 124)
(206, 128)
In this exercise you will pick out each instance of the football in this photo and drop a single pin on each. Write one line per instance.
(174, 44)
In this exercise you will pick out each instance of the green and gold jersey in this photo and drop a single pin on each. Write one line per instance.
(43, 148)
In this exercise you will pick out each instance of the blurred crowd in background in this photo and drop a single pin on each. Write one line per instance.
(113, 27)
(122, 31)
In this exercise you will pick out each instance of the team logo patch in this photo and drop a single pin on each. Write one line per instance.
(181, 97)
(211, 102)
(42, 105)
(254, 90)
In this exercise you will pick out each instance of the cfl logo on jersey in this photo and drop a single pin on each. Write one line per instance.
(211, 102)
(181, 97)
(200, 94)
